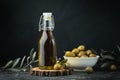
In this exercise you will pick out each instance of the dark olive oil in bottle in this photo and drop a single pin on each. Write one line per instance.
(47, 52)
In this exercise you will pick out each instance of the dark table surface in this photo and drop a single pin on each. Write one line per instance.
(79, 75)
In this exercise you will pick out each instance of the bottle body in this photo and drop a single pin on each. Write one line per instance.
(47, 52)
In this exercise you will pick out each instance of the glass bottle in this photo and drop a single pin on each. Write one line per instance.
(47, 53)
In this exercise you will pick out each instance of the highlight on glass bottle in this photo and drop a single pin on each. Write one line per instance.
(47, 52)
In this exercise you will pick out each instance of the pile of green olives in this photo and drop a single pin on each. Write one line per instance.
(80, 51)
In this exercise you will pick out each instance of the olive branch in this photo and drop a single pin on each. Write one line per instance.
(21, 64)
(107, 58)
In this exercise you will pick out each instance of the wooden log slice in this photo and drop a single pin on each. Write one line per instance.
(39, 72)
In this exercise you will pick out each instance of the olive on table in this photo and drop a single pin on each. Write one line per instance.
(58, 66)
(89, 69)
(113, 67)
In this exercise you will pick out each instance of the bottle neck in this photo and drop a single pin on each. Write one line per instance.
(47, 33)
(46, 23)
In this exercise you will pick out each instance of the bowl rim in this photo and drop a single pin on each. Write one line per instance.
(82, 58)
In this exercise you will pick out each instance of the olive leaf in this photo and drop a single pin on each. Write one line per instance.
(15, 62)
(14, 69)
(60, 61)
(109, 57)
(35, 61)
(19, 64)
(94, 51)
(31, 53)
(64, 61)
(23, 59)
(102, 60)
(118, 47)
(101, 54)
(105, 65)
(8, 64)
(102, 50)
(28, 59)
(33, 56)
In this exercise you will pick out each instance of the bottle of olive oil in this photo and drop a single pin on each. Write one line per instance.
(47, 53)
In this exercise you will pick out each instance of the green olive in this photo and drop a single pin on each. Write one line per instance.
(57, 66)
(81, 47)
(113, 67)
(81, 53)
(88, 52)
(83, 56)
(69, 54)
(89, 69)
(75, 51)
(92, 55)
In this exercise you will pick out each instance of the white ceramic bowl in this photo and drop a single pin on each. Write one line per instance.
(78, 63)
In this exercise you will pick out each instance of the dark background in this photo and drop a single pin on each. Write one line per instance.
(89, 22)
